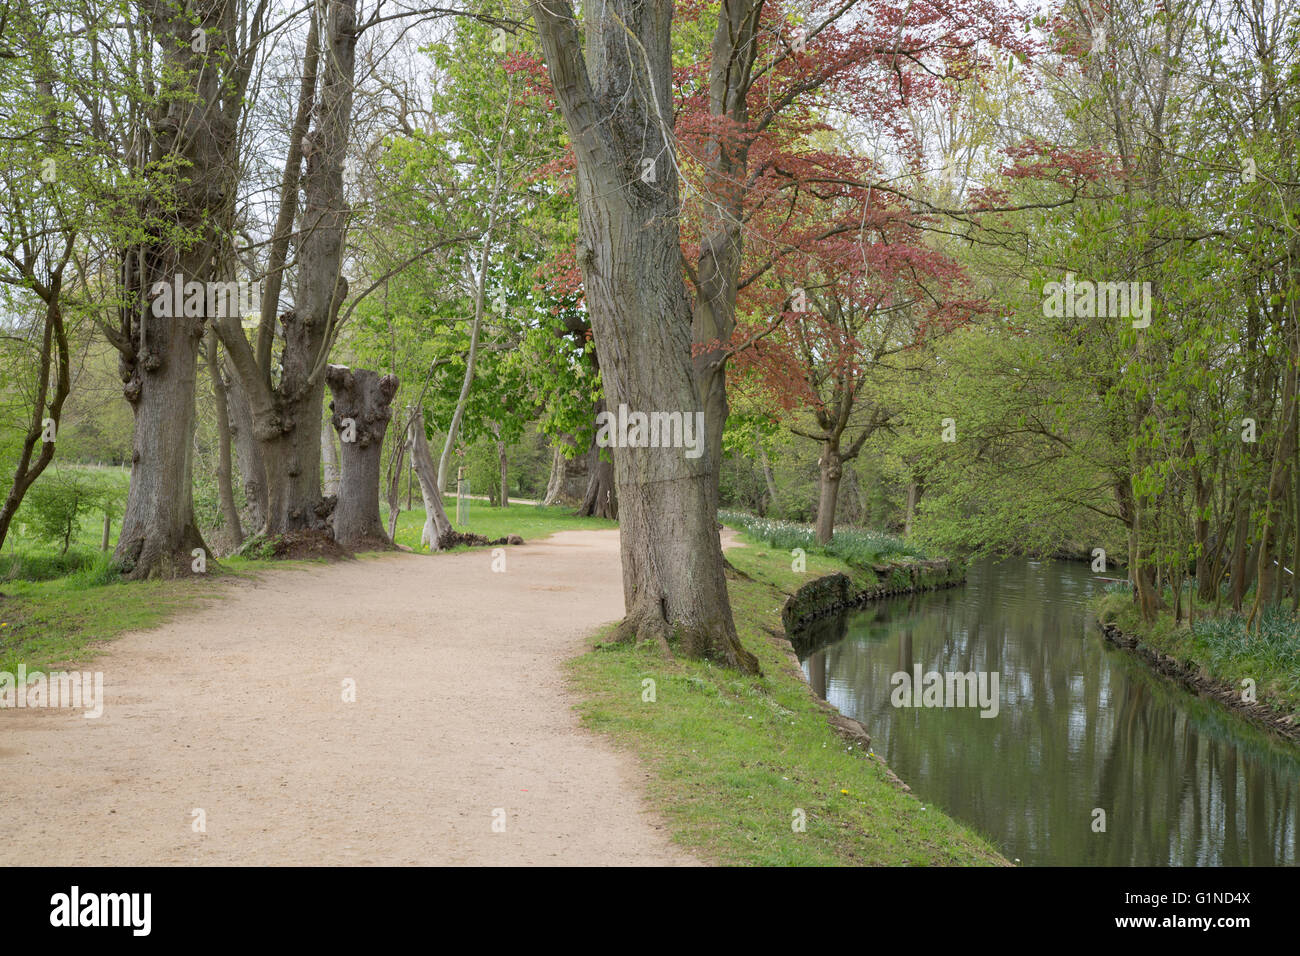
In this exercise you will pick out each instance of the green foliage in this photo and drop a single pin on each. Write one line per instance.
(483, 470)
(472, 178)
(1273, 649)
(62, 500)
(45, 566)
(97, 571)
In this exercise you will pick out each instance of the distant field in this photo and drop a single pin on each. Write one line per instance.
(527, 521)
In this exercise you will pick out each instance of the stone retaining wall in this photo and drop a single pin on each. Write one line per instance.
(837, 591)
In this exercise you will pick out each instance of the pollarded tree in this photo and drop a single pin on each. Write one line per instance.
(361, 411)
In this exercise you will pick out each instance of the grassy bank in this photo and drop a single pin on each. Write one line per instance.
(58, 623)
(1221, 648)
(775, 567)
(734, 758)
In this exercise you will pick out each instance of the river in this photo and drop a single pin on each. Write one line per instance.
(1081, 727)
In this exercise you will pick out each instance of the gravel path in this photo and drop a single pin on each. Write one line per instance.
(461, 718)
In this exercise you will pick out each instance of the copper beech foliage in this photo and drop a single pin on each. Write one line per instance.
(815, 214)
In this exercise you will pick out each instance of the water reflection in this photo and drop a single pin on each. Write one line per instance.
(1082, 725)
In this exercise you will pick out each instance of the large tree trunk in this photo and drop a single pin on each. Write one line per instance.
(630, 255)
(225, 486)
(248, 454)
(287, 416)
(291, 452)
(195, 123)
(330, 456)
(601, 497)
(362, 408)
(159, 531)
(569, 478)
(437, 526)
(832, 469)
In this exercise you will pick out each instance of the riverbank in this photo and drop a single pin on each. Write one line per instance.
(738, 764)
(839, 591)
(1217, 658)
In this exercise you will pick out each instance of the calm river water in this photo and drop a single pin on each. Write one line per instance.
(1081, 725)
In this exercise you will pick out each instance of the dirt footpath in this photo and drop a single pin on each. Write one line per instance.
(461, 719)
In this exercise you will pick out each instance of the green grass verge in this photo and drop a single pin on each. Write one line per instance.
(734, 757)
(1221, 647)
(53, 624)
(776, 568)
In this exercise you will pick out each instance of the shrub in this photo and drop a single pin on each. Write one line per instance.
(96, 572)
(60, 501)
(44, 566)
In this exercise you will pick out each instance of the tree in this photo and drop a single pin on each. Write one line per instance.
(59, 503)
(188, 134)
(43, 215)
(747, 140)
(867, 305)
(361, 411)
(617, 104)
(286, 414)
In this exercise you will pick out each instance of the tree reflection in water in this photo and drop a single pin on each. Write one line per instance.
(1081, 726)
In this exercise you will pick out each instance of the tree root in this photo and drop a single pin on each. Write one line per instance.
(701, 643)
